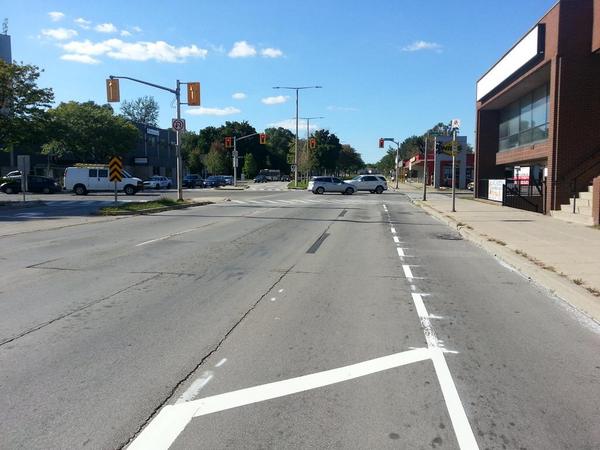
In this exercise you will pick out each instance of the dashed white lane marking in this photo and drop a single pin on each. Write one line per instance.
(396, 239)
(460, 422)
(407, 272)
(172, 419)
(220, 363)
(400, 251)
(280, 291)
(393, 230)
(195, 387)
(273, 299)
(165, 237)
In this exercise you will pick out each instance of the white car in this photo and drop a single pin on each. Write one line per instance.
(320, 185)
(82, 180)
(157, 182)
(375, 184)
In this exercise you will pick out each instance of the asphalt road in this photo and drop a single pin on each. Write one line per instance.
(358, 322)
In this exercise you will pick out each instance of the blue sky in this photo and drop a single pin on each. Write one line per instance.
(388, 68)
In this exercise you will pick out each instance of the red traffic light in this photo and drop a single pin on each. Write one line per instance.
(312, 143)
(263, 138)
(228, 142)
(381, 143)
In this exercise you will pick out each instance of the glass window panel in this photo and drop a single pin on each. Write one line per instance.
(526, 137)
(93, 173)
(540, 133)
(103, 173)
(540, 106)
(525, 119)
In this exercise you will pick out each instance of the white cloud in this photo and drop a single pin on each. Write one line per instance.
(59, 33)
(125, 33)
(83, 23)
(239, 96)
(85, 59)
(56, 16)
(106, 28)
(135, 51)
(202, 111)
(341, 108)
(422, 45)
(242, 49)
(276, 100)
(136, 29)
(271, 52)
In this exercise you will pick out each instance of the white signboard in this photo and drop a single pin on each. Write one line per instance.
(495, 190)
(521, 175)
(521, 54)
(178, 124)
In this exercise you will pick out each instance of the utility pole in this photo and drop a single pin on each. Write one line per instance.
(178, 146)
(234, 156)
(425, 169)
(455, 125)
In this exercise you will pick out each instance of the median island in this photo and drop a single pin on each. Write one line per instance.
(154, 206)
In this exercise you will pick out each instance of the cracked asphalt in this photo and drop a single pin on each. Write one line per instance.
(103, 325)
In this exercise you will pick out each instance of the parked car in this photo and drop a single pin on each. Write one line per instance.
(13, 174)
(35, 183)
(192, 181)
(82, 180)
(228, 179)
(285, 178)
(372, 183)
(214, 181)
(320, 185)
(157, 182)
(471, 185)
(261, 179)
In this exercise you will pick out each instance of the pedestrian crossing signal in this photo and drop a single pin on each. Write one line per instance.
(263, 138)
(228, 142)
(312, 143)
(193, 94)
(112, 90)
(381, 143)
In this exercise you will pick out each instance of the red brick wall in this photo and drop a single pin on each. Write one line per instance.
(596, 32)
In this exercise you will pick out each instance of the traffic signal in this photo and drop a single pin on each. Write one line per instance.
(439, 147)
(228, 142)
(263, 138)
(312, 143)
(193, 94)
(381, 143)
(112, 90)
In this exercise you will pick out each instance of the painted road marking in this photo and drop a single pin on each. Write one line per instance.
(165, 237)
(191, 392)
(393, 230)
(458, 416)
(172, 419)
(396, 239)
(400, 251)
(407, 272)
(220, 363)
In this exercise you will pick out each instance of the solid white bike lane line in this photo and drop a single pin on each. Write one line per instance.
(172, 419)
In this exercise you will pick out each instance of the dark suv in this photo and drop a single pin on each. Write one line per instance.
(193, 181)
(35, 183)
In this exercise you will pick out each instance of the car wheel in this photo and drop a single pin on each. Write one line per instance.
(80, 190)
(169, 186)
(379, 189)
(46, 190)
(349, 191)
(129, 190)
(320, 190)
(9, 190)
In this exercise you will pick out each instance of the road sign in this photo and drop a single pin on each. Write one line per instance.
(23, 163)
(293, 167)
(234, 155)
(115, 169)
(178, 124)
(455, 123)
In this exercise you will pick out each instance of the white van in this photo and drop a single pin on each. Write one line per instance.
(82, 180)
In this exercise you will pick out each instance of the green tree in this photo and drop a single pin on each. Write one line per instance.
(349, 160)
(216, 160)
(23, 104)
(143, 110)
(87, 132)
(277, 148)
(250, 168)
(191, 151)
(328, 150)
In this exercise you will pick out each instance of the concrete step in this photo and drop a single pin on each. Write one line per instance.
(570, 217)
(585, 195)
(579, 209)
(581, 202)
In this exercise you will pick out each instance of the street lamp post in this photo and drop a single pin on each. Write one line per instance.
(296, 88)
(308, 119)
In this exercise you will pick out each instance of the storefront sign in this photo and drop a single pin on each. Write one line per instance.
(495, 190)
(521, 175)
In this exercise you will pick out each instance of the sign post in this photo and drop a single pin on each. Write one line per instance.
(455, 126)
(23, 164)
(115, 172)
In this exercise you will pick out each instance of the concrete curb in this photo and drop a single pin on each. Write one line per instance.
(143, 212)
(560, 286)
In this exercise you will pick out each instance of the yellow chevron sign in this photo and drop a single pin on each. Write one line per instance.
(115, 168)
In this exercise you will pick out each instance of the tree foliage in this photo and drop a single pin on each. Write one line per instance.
(22, 103)
(143, 110)
(88, 132)
(216, 160)
(349, 160)
(250, 168)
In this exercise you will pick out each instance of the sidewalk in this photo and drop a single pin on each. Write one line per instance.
(563, 257)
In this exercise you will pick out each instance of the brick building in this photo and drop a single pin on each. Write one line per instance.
(538, 112)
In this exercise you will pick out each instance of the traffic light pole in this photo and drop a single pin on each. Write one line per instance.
(177, 92)
(425, 170)
(454, 170)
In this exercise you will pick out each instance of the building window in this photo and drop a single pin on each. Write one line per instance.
(524, 121)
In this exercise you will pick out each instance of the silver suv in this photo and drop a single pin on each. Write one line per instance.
(375, 184)
(320, 185)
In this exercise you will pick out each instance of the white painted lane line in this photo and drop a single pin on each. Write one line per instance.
(172, 420)
(220, 363)
(407, 272)
(396, 239)
(280, 291)
(400, 252)
(458, 416)
(195, 387)
(273, 299)
(393, 230)
(165, 237)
